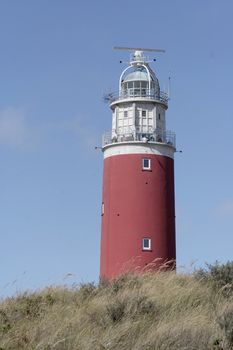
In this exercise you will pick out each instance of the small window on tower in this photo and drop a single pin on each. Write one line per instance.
(125, 114)
(146, 244)
(159, 116)
(146, 164)
(102, 209)
(143, 113)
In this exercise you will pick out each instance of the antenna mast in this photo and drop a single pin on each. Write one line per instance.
(137, 49)
(137, 57)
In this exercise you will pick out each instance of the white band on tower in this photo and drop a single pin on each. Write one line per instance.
(138, 148)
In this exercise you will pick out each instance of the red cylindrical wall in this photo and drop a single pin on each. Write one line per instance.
(137, 203)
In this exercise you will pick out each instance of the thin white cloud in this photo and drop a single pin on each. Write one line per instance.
(14, 131)
(225, 208)
(17, 133)
(82, 130)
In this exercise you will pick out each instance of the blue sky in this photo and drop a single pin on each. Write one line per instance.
(56, 63)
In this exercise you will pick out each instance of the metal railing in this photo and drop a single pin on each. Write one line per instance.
(168, 137)
(135, 93)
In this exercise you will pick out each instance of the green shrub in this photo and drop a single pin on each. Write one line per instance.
(116, 310)
(87, 290)
(30, 306)
(225, 321)
(124, 281)
(220, 276)
(5, 325)
(140, 306)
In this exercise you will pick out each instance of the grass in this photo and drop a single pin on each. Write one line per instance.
(157, 311)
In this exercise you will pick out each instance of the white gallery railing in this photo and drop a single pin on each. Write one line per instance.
(135, 93)
(168, 137)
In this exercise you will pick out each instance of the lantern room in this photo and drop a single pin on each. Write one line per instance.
(139, 106)
(139, 82)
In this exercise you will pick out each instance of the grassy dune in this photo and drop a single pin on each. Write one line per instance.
(154, 311)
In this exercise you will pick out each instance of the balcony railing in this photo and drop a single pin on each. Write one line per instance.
(167, 137)
(138, 93)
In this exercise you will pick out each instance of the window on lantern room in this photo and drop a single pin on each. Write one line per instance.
(143, 113)
(144, 86)
(137, 88)
(130, 88)
(146, 164)
(146, 244)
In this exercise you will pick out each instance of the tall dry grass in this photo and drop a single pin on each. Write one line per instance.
(157, 311)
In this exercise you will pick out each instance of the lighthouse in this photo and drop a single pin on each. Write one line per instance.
(138, 201)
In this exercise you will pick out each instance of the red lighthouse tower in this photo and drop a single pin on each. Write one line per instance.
(138, 206)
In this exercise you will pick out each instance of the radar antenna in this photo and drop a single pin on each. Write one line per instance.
(137, 49)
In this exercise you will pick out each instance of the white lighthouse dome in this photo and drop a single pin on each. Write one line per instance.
(136, 76)
(140, 78)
